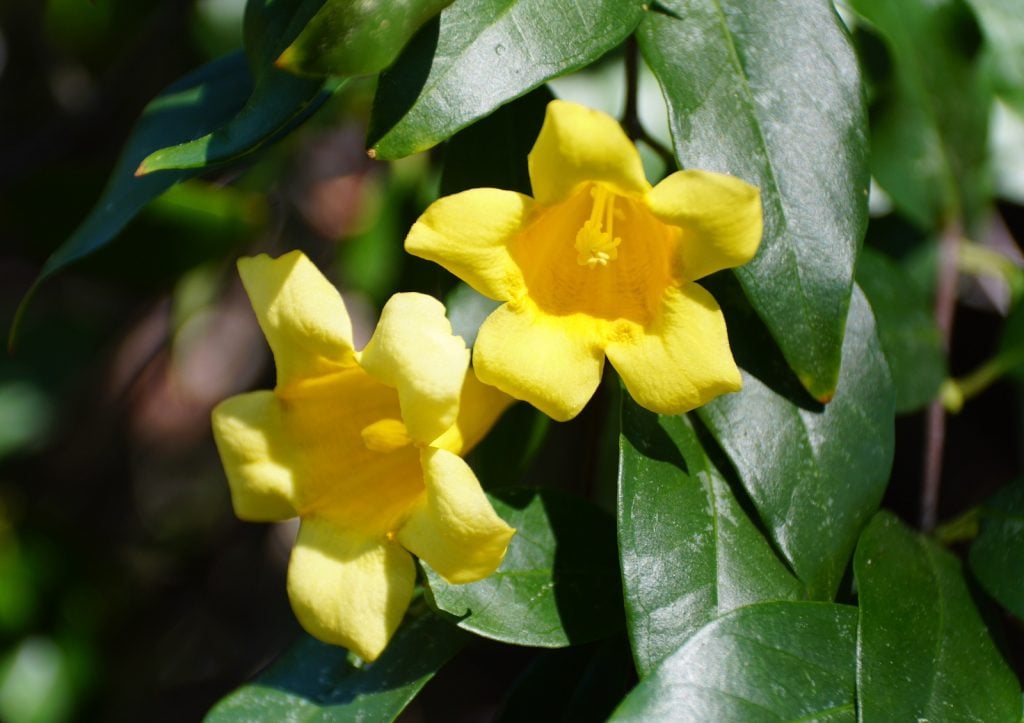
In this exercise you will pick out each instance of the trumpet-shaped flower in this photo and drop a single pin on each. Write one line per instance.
(598, 263)
(364, 447)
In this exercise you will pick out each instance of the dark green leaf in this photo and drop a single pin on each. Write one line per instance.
(770, 92)
(772, 661)
(558, 584)
(930, 121)
(924, 652)
(482, 54)
(472, 158)
(278, 100)
(1003, 24)
(907, 331)
(357, 38)
(815, 473)
(191, 107)
(314, 681)
(688, 551)
(997, 555)
(582, 683)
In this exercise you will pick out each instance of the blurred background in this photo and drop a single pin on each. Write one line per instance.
(128, 590)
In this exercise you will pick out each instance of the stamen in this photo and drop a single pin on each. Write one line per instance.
(595, 245)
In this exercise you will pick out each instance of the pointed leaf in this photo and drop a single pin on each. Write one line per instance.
(190, 107)
(1003, 24)
(314, 681)
(357, 38)
(770, 92)
(997, 555)
(815, 473)
(482, 54)
(930, 121)
(772, 661)
(688, 551)
(907, 330)
(558, 584)
(924, 652)
(278, 100)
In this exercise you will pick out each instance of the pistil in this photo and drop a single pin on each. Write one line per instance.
(595, 243)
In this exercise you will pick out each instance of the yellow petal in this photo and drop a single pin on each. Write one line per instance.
(578, 144)
(347, 589)
(301, 314)
(414, 351)
(468, 232)
(249, 436)
(454, 528)
(683, 360)
(480, 406)
(720, 217)
(551, 362)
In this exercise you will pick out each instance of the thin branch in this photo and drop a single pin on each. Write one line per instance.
(631, 114)
(935, 420)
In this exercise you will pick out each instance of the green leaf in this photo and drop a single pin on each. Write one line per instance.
(924, 652)
(907, 330)
(771, 661)
(582, 683)
(815, 473)
(930, 120)
(481, 54)
(472, 159)
(314, 681)
(357, 38)
(770, 92)
(997, 555)
(558, 584)
(279, 100)
(688, 551)
(188, 108)
(1003, 25)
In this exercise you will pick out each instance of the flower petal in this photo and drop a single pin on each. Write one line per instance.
(251, 442)
(347, 589)
(301, 314)
(468, 232)
(480, 406)
(683, 360)
(578, 144)
(454, 528)
(414, 351)
(551, 362)
(720, 216)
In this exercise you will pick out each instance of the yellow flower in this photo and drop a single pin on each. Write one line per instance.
(598, 263)
(364, 448)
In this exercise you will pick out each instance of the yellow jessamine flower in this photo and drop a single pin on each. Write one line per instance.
(364, 448)
(598, 263)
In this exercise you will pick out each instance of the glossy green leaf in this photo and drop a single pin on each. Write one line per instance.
(930, 119)
(278, 101)
(190, 107)
(770, 92)
(907, 330)
(558, 584)
(472, 158)
(314, 681)
(357, 38)
(923, 652)
(815, 473)
(688, 551)
(997, 555)
(1003, 25)
(481, 54)
(767, 662)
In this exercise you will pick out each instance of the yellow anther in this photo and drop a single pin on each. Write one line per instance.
(595, 245)
(385, 435)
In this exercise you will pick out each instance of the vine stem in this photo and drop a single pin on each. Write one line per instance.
(935, 419)
(631, 114)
